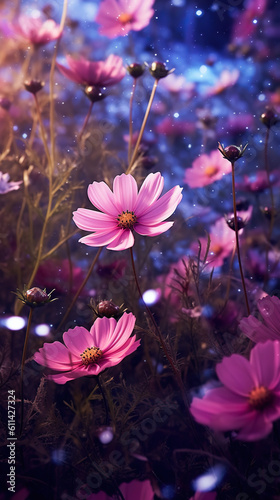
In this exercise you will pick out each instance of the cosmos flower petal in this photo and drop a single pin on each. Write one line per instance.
(101, 239)
(256, 428)
(256, 330)
(122, 331)
(149, 192)
(62, 378)
(56, 356)
(162, 208)
(125, 192)
(77, 340)
(74, 77)
(91, 220)
(268, 374)
(236, 373)
(102, 198)
(269, 308)
(98, 330)
(153, 230)
(123, 240)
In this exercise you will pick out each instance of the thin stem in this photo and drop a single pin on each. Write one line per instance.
(86, 120)
(80, 289)
(135, 152)
(43, 133)
(237, 240)
(159, 335)
(268, 179)
(130, 119)
(22, 369)
(104, 399)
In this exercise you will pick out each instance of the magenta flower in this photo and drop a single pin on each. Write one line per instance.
(227, 79)
(97, 74)
(125, 210)
(34, 30)
(269, 328)
(118, 17)
(206, 169)
(249, 401)
(89, 352)
(258, 182)
(6, 185)
(136, 490)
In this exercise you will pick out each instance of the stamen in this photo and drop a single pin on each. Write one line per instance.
(125, 18)
(260, 398)
(127, 220)
(211, 170)
(91, 355)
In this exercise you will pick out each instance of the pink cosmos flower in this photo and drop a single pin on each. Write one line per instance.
(97, 74)
(221, 245)
(136, 490)
(258, 182)
(269, 328)
(207, 169)
(204, 495)
(125, 210)
(178, 85)
(118, 17)
(89, 352)
(249, 400)
(34, 30)
(6, 185)
(172, 127)
(244, 27)
(227, 79)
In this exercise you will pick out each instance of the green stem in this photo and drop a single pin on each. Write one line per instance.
(80, 289)
(130, 119)
(237, 240)
(22, 369)
(86, 120)
(159, 335)
(135, 152)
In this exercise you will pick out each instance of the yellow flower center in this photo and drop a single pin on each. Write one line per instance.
(211, 170)
(91, 355)
(260, 398)
(125, 18)
(126, 220)
(216, 249)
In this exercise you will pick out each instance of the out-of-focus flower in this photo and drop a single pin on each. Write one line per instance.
(178, 85)
(244, 27)
(258, 182)
(221, 245)
(237, 124)
(34, 86)
(95, 74)
(89, 352)
(269, 117)
(58, 274)
(269, 328)
(125, 210)
(34, 30)
(227, 79)
(6, 185)
(158, 70)
(249, 400)
(204, 495)
(172, 127)
(206, 169)
(136, 70)
(136, 490)
(119, 17)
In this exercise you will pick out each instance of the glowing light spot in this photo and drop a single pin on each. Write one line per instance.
(203, 69)
(176, 115)
(210, 480)
(106, 435)
(199, 12)
(14, 323)
(151, 296)
(261, 97)
(58, 456)
(255, 21)
(24, 136)
(42, 330)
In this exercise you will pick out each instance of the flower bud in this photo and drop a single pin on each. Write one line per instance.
(158, 70)
(33, 86)
(94, 93)
(232, 153)
(107, 308)
(240, 223)
(136, 70)
(269, 117)
(34, 297)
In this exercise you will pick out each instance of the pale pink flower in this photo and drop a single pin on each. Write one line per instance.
(178, 85)
(6, 185)
(125, 210)
(258, 182)
(204, 495)
(269, 328)
(118, 17)
(249, 400)
(222, 243)
(34, 30)
(89, 352)
(97, 73)
(226, 79)
(207, 169)
(136, 490)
